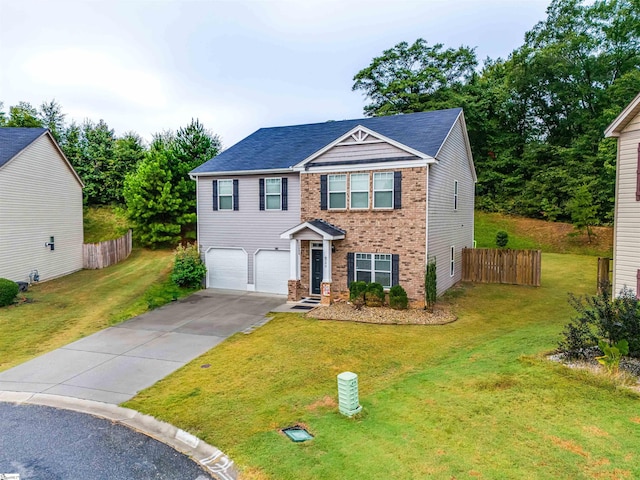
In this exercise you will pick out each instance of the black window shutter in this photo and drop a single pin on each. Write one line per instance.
(285, 196)
(638, 177)
(638, 285)
(395, 269)
(262, 194)
(350, 268)
(323, 192)
(236, 206)
(397, 190)
(215, 194)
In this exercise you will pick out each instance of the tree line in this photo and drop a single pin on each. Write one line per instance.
(536, 119)
(150, 181)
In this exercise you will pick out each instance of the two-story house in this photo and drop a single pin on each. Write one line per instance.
(626, 236)
(306, 209)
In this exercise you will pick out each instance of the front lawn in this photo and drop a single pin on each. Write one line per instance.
(471, 399)
(66, 309)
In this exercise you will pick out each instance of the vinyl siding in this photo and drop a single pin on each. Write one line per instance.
(39, 198)
(362, 151)
(248, 227)
(627, 221)
(448, 227)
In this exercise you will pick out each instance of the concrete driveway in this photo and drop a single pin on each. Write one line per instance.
(114, 364)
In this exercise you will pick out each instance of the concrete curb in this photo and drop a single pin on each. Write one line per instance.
(209, 457)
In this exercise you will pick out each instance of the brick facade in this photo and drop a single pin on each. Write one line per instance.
(401, 231)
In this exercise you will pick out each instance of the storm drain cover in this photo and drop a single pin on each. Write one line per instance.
(301, 307)
(297, 434)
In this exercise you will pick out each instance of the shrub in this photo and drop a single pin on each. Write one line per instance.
(8, 292)
(357, 291)
(612, 355)
(398, 298)
(188, 269)
(602, 317)
(502, 238)
(374, 296)
(430, 285)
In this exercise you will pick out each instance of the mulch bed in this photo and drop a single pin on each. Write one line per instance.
(345, 311)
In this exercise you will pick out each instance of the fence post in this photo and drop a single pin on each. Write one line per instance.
(604, 275)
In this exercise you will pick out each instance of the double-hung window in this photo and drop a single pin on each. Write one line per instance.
(359, 190)
(338, 191)
(273, 193)
(455, 194)
(225, 194)
(383, 190)
(373, 267)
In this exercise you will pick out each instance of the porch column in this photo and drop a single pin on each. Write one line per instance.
(325, 287)
(295, 286)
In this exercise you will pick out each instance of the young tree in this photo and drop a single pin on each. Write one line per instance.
(152, 203)
(584, 212)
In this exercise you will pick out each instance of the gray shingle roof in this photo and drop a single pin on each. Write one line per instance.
(283, 147)
(14, 139)
(327, 227)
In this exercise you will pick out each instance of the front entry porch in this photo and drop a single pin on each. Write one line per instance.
(319, 235)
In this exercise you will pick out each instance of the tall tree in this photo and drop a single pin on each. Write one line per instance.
(23, 115)
(52, 118)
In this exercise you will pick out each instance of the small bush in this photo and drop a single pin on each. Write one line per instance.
(502, 238)
(398, 298)
(430, 285)
(357, 291)
(188, 269)
(8, 292)
(374, 296)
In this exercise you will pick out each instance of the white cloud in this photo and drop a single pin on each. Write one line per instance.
(101, 73)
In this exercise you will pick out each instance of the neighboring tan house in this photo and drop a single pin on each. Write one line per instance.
(306, 209)
(40, 207)
(626, 236)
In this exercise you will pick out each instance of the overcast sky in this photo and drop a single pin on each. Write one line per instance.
(150, 66)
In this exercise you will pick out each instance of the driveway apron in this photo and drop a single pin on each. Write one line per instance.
(114, 364)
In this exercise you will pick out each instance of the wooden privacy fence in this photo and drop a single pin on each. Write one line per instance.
(604, 274)
(491, 265)
(103, 254)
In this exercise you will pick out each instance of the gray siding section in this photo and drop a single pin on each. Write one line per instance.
(362, 151)
(448, 227)
(249, 227)
(39, 198)
(627, 221)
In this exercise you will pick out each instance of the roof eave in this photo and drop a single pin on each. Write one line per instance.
(242, 172)
(325, 235)
(621, 121)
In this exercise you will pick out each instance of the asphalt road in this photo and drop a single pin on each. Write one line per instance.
(51, 444)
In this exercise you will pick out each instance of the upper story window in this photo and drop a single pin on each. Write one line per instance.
(383, 190)
(225, 194)
(455, 194)
(273, 193)
(337, 191)
(359, 190)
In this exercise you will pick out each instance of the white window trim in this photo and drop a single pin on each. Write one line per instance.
(373, 191)
(267, 195)
(373, 267)
(352, 191)
(452, 260)
(225, 195)
(455, 195)
(329, 191)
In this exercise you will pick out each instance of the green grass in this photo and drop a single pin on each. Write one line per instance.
(66, 309)
(472, 399)
(103, 223)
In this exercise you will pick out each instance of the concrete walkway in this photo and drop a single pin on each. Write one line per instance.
(114, 364)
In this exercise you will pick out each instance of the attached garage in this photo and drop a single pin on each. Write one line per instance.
(272, 271)
(226, 268)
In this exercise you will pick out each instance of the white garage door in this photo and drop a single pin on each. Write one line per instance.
(272, 271)
(227, 268)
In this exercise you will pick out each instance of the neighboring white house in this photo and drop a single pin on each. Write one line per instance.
(626, 238)
(40, 207)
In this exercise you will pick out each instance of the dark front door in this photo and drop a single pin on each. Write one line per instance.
(316, 271)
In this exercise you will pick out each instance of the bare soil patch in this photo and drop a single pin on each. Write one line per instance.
(345, 311)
